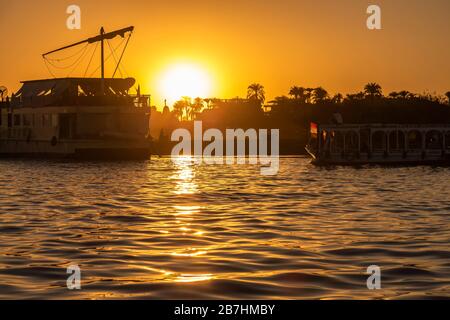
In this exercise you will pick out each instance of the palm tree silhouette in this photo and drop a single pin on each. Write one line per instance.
(256, 91)
(372, 90)
(404, 94)
(308, 94)
(394, 95)
(298, 93)
(447, 94)
(355, 96)
(337, 98)
(196, 107)
(178, 109)
(320, 95)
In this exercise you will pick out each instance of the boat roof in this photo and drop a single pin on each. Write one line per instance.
(78, 79)
(60, 91)
(90, 86)
(348, 126)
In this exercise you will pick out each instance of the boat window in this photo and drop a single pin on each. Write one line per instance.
(323, 138)
(351, 141)
(397, 140)
(337, 144)
(414, 139)
(364, 134)
(17, 120)
(433, 140)
(27, 120)
(37, 120)
(46, 121)
(54, 120)
(379, 141)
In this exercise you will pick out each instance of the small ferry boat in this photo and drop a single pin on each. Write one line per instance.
(357, 144)
(93, 118)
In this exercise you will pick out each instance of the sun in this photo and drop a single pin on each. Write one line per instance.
(183, 80)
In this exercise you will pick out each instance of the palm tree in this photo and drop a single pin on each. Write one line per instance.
(394, 95)
(406, 94)
(279, 101)
(187, 107)
(320, 95)
(196, 107)
(208, 103)
(181, 108)
(178, 108)
(3, 93)
(447, 94)
(373, 90)
(298, 93)
(256, 91)
(308, 94)
(337, 98)
(355, 96)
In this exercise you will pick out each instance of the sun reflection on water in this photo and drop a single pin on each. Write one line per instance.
(184, 278)
(185, 216)
(184, 176)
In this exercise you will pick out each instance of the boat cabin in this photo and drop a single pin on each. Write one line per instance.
(74, 108)
(380, 143)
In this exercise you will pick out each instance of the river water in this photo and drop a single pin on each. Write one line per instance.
(163, 230)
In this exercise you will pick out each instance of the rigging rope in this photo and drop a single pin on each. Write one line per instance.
(121, 56)
(79, 61)
(69, 66)
(63, 59)
(107, 58)
(48, 68)
(114, 56)
(93, 53)
(82, 54)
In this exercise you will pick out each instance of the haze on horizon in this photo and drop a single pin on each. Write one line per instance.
(276, 43)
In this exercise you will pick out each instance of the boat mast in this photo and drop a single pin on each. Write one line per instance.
(100, 38)
(102, 46)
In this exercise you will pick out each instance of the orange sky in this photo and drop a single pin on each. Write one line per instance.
(278, 43)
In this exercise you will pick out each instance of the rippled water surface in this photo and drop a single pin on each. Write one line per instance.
(159, 230)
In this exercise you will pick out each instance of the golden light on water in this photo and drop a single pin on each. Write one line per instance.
(186, 210)
(185, 215)
(185, 80)
(193, 277)
(184, 177)
(191, 252)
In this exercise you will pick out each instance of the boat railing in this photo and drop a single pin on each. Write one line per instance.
(108, 100)
(141, 101)
(383, 138)
(381, 126)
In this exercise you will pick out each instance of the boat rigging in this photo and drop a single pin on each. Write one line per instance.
(100, 39)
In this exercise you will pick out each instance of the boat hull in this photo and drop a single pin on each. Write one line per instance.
(433, 157)
(379, 144)
(82, 150)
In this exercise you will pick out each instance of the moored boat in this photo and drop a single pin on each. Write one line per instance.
(95, 118)
(357, 144)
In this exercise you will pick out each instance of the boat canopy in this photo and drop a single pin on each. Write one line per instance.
(83, 86)
(64, 90)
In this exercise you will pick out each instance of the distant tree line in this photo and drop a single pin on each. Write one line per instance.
(293, 113)
(307, 104)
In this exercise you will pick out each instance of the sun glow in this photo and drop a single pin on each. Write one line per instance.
(185, 80)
